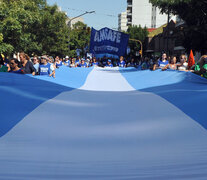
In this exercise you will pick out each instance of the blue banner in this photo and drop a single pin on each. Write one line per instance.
(107, 42)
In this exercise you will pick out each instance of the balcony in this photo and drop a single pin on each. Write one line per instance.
(129, 16)
(129, 23)
(129, 10)
(129, 13)
(129, 5)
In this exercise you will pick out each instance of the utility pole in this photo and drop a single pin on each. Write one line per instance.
(168, 22)
(69, 23)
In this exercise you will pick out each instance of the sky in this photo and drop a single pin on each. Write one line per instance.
(106, 11)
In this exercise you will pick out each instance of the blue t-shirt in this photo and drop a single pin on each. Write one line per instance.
(20, 71)
(122, 64)
(162, 64)
(145, 65)
(44, 69)
(82, 65)
(5, 64)
(109, 65)
(77, 61)
(95, 64)
(59, 64)
(67, 63)
(132, 64)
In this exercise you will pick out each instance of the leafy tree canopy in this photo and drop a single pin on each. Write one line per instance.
(32, 26)
(137, 33)
(79, 38)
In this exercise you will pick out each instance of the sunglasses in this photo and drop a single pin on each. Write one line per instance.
(11, 63)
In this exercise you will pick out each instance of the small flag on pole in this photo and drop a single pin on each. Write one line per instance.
(191, 60)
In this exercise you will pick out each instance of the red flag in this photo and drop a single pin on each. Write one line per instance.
(191, 60)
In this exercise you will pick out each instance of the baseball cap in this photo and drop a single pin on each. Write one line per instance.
(44, 57)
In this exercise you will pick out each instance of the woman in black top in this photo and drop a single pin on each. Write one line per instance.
(27, 65)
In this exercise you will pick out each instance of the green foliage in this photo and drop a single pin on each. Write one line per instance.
(166, 3)
(54, 31)
(1, 38)
(33, 27)
(79, 38)
(194, 13)
(137, 33)
(6, 48)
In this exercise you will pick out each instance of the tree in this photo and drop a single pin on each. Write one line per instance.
(53, 31)
(79, 38)
(137, 33)
(194, 13)
(4, 47)
(17, 18)
(33, 27)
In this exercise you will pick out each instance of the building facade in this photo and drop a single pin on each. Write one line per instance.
(142, 12)
(122, 26)
(168, 39)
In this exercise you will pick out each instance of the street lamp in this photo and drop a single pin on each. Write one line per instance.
(69, 23)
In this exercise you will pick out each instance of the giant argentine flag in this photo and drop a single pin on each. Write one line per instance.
(103, 124)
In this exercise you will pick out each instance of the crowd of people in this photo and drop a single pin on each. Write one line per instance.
(46, 65)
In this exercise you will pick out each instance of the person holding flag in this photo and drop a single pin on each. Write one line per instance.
(83, 64)
(94, 63)
(14, 66)
(67, 61)
(46, 68)
(58, 62)
(183, 65)
(161, 63)
(201, 67)
(122, 63)
(109, 63)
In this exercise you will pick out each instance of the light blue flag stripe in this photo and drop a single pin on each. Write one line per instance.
(185, 90)
(103, 130)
